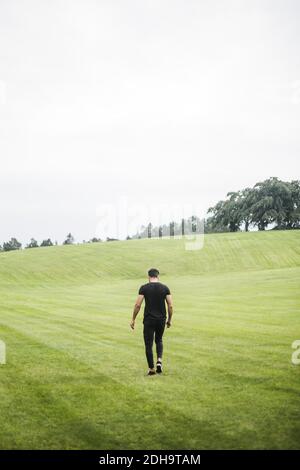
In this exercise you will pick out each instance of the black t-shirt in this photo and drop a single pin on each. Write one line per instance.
(155, 300)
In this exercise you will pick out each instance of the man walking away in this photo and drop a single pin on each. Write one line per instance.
(156, 295)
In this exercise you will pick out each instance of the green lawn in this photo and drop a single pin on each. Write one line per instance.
(75, 373)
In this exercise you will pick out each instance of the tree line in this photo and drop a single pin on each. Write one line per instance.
(268, 203)
(272, 202)
(172, 229)
(14, 244)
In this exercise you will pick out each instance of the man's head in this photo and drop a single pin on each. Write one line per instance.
(153, 273)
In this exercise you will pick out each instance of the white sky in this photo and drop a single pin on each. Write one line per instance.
(168, 102)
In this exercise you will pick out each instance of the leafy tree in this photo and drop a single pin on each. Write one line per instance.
(95, 240)
(211, 227)
(47, 242)
(244, 207)
(69, 240)
(32, 244)
(227, 213)
(292, 218)
(13, 244)
(271, 201)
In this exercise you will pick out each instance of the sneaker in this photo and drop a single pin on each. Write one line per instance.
(151, 372)
(159, 367)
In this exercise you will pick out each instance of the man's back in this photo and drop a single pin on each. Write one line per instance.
(155, 295)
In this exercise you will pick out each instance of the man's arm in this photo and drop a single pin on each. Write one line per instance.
(170, 309)
(136, 309)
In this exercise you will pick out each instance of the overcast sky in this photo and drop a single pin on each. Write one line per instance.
(167, 102)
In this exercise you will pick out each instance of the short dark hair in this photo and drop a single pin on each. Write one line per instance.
(153, 272)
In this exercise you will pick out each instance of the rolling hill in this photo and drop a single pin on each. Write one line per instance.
(75, 373)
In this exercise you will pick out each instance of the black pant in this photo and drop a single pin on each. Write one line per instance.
(153, 328)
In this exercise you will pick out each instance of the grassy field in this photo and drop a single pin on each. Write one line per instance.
(75, 373)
